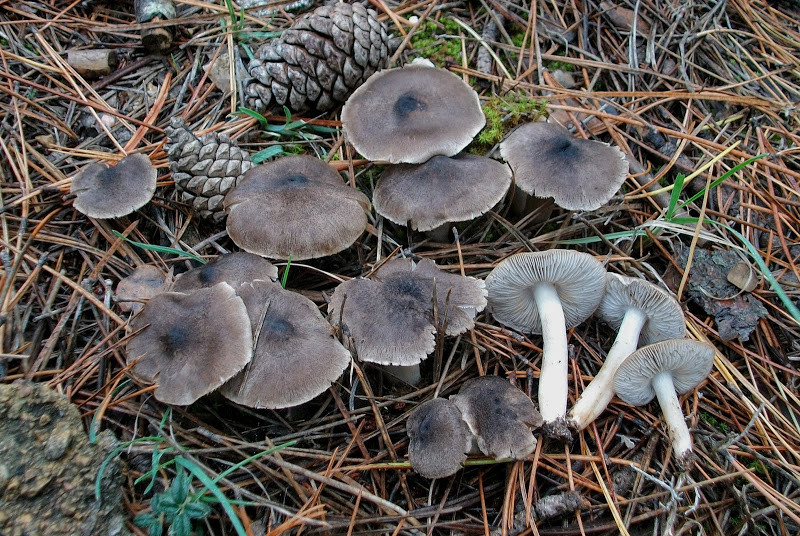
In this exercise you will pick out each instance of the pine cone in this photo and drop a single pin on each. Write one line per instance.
(320, 60)
(204, 169)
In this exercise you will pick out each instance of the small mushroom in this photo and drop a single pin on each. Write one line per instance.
(439, 439)
(412, 113)
(232, 268)
(499, 415)
(442, 190)
(640, 311)
(111, 192)
(190, 344)
(664, 370)
(296, 357)
(548, 292)
(144, 282)
(390, 318)
(549, 162)
(297, 207)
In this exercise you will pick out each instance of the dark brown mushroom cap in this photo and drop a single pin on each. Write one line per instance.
(193, 343)
(112, 192)
(688, 362)
(578, 278)
(232, 268)
(499, 415)
(664, 314)
(412, 113)
(441, 190)
(549, 162)
(296, 356)
(295, 206)
(390, 318)
(439, 438)
(144, 282)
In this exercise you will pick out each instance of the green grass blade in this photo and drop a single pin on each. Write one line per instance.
(675, 195)
(286, 272)
(724, 176)
(265, 154)
(253, 458)
(159, 249)
(212, 487)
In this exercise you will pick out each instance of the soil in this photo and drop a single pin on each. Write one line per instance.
(48, 468)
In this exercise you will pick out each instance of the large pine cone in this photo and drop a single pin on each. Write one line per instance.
(204, 169)
(320, 60)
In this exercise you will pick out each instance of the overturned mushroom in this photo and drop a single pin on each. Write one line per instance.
(439, 439)
(546, 293)
(549, 162)
(500, 416)
(640, 311)
(412, 113)
(390, 317)
(296, 357)
(297, 207)
(190, 344)
(111, 192)
(442, 190)
(664, 370)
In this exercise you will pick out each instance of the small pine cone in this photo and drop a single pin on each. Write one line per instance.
(204, 169)
(320, 60)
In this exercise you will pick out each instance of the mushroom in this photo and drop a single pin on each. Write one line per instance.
(297, 207)
(111, 192)
(144, 282)
(233, 268)
(661, 369)
(390, 317)
(546, 293)
(190, 344)
(296, 357)
(412, 113)
(640, 311)
(549, 162)
(442, 190)
(499, 415)
(438, 439)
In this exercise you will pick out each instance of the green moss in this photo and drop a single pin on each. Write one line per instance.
(430, 41)
(718, 425)
(504, 113)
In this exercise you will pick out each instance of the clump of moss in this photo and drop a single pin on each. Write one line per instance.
(506, 112)
(430, 41)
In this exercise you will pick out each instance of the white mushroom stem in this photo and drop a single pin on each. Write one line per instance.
(598, 394)
(673, 415)
(409, 374)
(553, 381)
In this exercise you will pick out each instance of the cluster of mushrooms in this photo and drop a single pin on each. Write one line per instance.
(229, 325)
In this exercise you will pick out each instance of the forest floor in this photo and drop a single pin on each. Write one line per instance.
(685, 89)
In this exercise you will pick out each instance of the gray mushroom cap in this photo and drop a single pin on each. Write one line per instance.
(688, 362)
(112, 192)
(412, 113)
(441, 190)
(500, 416)
(439, 438)
(296, 206)
(664, 314)
(191, 343)
(549, 162)
(579, 280)
(233, 268)
(296, 356)
(390, 317)
(143, 283)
